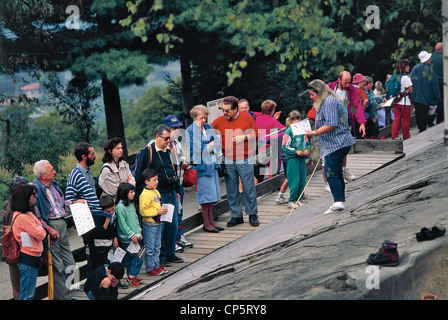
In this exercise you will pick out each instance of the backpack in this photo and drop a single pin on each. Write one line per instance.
(393, 85)
(98, 188)
(10, 246)
(134, 165)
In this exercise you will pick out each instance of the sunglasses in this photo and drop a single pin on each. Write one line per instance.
(225, 110)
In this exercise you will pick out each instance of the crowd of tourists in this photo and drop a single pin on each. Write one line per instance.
(130, 204)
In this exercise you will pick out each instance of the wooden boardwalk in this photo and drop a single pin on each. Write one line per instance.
(205, 243)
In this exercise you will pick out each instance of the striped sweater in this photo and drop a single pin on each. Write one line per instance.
(79, 188)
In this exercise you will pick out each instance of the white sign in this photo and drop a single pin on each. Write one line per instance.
(215, 110)
(300, 127)
(82, 217)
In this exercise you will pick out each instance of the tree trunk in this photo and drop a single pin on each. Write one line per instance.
(114, 116)
(445, 66)
(187, 87)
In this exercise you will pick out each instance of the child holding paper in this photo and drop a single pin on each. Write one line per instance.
(151, 209)
(129, 231)
(105, 233)
(296, 148)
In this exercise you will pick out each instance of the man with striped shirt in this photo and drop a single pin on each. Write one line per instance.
(50, 210)
(80, 185)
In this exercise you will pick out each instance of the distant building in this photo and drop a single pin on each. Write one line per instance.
(33, 90)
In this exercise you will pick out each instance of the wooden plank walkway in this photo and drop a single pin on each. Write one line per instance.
(205, 243)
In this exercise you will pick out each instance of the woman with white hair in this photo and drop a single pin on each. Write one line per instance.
(335, 139)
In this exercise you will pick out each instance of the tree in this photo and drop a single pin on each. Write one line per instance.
(292, 32)
(98, 47)
(74, 102)
(28, 143)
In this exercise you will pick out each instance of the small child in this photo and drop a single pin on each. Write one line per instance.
(296, 148)
(128, 228)
(150, 207)
(105, 233)
(102, 283)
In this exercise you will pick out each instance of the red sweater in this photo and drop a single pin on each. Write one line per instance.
(230, 128)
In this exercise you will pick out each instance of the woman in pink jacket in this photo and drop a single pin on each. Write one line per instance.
(29, 233)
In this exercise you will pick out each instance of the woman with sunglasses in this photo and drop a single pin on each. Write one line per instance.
(29, 233)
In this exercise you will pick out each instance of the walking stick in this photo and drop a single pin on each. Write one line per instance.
(50, 273)
(311, 176)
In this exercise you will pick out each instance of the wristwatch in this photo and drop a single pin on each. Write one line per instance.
(314, 133)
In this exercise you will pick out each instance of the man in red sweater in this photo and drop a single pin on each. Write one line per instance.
(238, 133)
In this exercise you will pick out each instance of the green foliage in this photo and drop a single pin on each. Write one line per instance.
(121, 67)
(29, 143)
(74, 102)
(143, 116)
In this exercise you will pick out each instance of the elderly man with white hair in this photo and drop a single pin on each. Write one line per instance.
(425, 91)
(50, 210)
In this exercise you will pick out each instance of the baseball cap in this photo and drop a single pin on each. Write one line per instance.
(172, 121)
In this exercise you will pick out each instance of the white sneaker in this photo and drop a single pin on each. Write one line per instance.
(337, 206)
(347, 175)
(295, 205)
(327, 186)
(281, 200)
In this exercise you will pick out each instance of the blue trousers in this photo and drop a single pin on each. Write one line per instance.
(152, 237)
(131, 262)
(28, 279)
(243, 170)
(333, 173)
(180, 229)
(169, 230)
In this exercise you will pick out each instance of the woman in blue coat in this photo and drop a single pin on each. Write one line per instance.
(203, 145)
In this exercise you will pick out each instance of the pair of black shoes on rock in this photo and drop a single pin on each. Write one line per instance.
(430, 234)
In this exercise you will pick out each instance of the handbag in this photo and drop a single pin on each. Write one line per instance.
(222, 171)
(190, 177)
(10, 246)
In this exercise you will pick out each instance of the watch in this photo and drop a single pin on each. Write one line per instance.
(245, 137)
(314, 133)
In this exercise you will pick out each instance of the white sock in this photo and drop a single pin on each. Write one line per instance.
(280, 195)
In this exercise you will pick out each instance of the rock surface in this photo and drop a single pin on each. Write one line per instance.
(317, 256)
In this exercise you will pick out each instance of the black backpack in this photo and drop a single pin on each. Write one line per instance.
(98, 189)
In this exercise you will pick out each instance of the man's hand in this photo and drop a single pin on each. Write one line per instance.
(53, 233)
(362, 128)
(239, 138)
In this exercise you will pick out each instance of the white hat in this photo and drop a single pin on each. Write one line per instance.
(424, 56)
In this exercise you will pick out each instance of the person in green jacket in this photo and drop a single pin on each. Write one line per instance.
(128, 230)
(297, 148)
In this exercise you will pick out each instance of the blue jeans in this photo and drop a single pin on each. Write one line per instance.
(180, 230)
(131, 262)
(333, 173)
(169, 230)
(28, 278)
(152, 238)
(243, 170)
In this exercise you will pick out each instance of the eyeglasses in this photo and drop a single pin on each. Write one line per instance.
(226, 110)
(165, 138)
